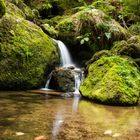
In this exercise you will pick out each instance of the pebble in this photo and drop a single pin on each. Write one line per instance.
(40, 138)
(108, 132)
(19, 133)
(116, 135)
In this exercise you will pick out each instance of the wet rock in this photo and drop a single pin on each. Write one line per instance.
(63, 79)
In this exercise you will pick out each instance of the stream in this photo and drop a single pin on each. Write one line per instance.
(61, 118)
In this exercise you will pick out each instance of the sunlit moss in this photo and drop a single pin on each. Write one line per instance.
(112, 80)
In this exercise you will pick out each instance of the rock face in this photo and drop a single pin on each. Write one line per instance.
(63, 79)
(112, 80)
(2, 8)
(26, 53)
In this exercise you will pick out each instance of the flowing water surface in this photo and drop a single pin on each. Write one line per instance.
(61, 118)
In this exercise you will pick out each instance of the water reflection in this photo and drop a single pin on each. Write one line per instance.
(57, 123)
(120, 119)
(75, 104)
(60, 118)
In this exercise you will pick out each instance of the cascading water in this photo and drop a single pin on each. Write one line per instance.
(48, 81)
(66, 62)
(64, 54)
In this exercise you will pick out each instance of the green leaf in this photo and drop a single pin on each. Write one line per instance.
(108, 35)
(86, 39)
(82, 41)
(79, 37)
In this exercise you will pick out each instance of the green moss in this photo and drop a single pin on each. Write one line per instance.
(135, 29)
(2, 8)
(65, 26)
(26, 53)
(49, 30)
(29, 14)
(130, 47)
(104, 5)
(13, 10)
(98, 55)
(112, 80)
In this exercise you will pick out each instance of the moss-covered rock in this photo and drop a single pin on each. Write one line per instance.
(90, 30)
(135, 29)
(13, 10)
(98, 55)
(2, 8)
(112, 80)
(26, 53)
(49, 30)
(130, 47)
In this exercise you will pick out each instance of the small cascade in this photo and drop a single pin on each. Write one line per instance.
(48, 81)
(66, 62)
(64, 54)
(78, 79)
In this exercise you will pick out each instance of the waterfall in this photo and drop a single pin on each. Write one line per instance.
(64, 54)
(48, 81)
(67, 62)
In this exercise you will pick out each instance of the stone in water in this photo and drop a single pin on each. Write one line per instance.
(19, 133)
(116, 135)
(108, 132)
(40, 138)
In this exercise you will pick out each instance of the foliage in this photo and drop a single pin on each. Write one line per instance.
(112, 80)
(65, 26)
(84, 38)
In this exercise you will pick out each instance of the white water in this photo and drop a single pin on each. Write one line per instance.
(64, 54)
(48, 81)
(66, 61)
(78, 79)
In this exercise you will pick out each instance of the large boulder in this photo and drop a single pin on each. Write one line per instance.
(112, 80)
(2, 8)
(90, 30)
(26, 52)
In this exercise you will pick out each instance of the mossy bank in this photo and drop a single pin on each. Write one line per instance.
(112, 80)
